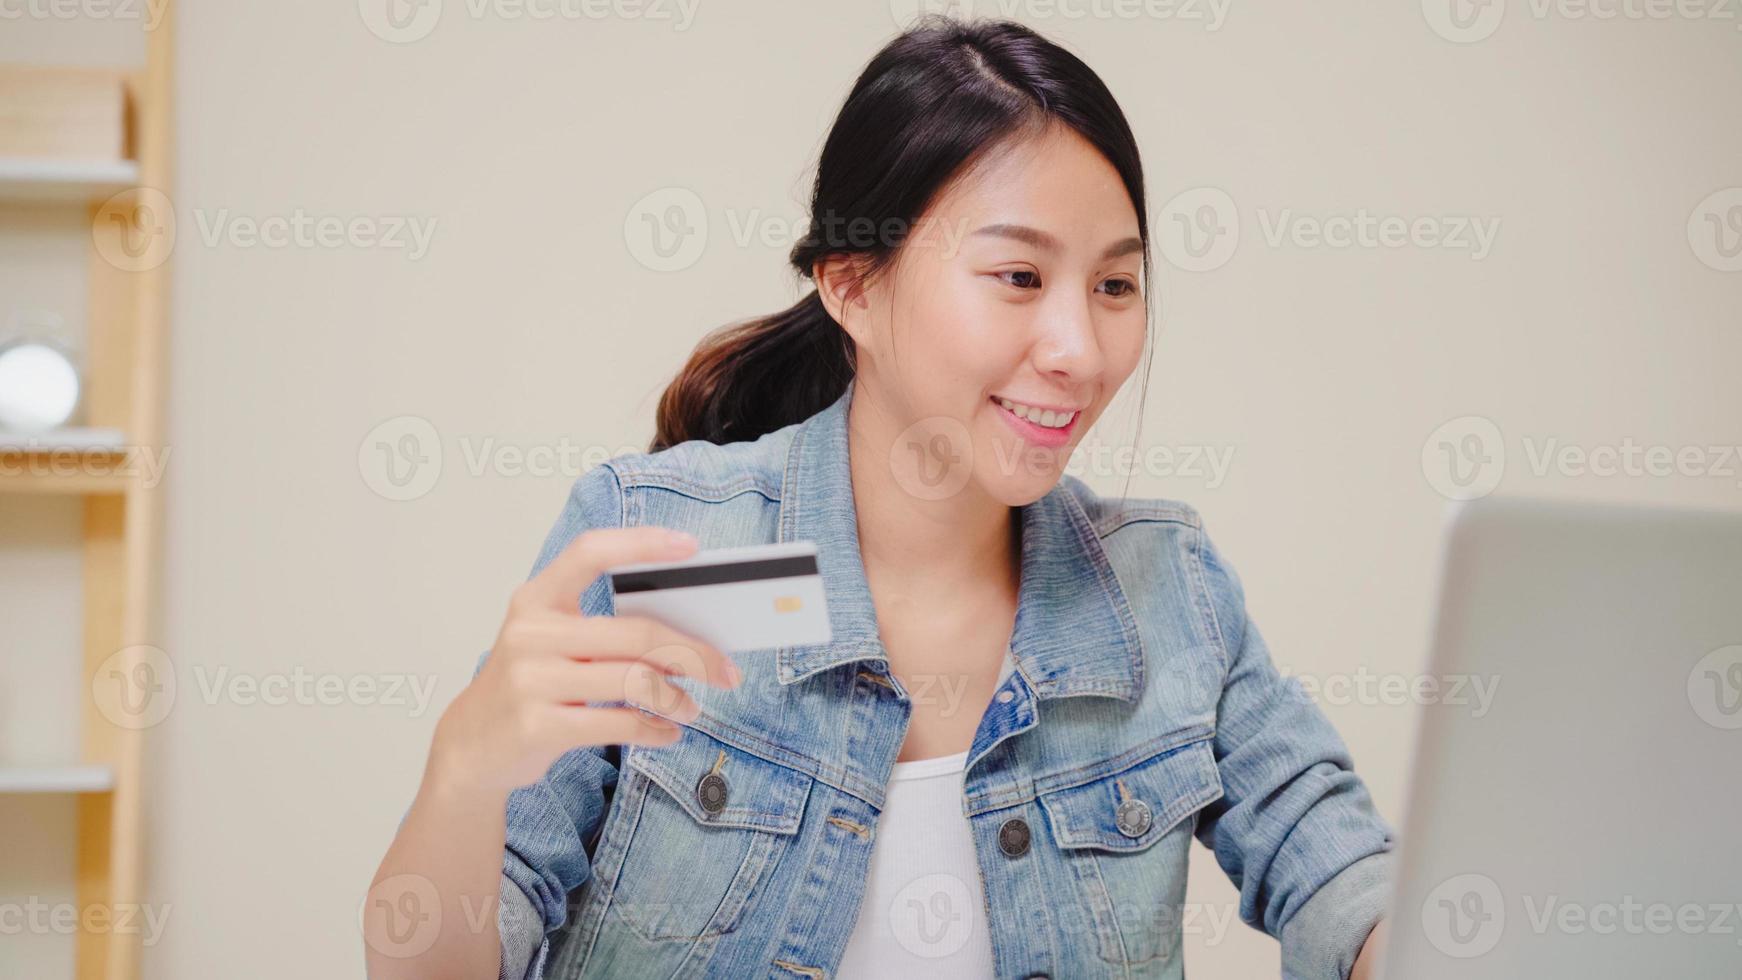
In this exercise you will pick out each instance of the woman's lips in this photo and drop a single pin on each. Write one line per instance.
(1040, 435)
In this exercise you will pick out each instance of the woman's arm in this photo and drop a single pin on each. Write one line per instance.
(431, 910)
(1295, 829)
(543, 691)
(1367, 964)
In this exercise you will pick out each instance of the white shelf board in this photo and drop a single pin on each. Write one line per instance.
(39, 179)
(85, 440)
(57, 779)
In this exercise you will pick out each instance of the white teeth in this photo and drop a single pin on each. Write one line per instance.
(1042, 417)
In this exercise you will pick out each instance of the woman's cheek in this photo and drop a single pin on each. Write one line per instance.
(975, 331)
(1129, 340)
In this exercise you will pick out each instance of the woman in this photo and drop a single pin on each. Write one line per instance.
(1033, 699)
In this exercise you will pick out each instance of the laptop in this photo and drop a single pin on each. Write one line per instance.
(1587, 823)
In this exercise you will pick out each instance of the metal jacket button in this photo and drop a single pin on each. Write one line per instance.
(1013, 837)
(711, 792)
(1133, 818)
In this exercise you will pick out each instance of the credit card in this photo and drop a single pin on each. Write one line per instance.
(756, 597)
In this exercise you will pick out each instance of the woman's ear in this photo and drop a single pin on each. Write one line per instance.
(841, 287)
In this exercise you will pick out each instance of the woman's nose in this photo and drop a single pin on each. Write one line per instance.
(1068, 344)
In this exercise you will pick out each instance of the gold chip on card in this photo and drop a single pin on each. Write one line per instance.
(787, 603)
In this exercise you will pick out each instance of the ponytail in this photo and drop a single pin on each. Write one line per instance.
(750, 378)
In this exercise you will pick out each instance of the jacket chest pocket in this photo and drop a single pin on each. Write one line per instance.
(709, 823)
(1126, 838)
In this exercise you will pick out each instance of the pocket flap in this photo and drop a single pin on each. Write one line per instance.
(1167, 787)
(759, 794)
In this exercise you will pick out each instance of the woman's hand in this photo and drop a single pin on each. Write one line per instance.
(531, 701)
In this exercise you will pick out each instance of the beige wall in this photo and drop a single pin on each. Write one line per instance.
(530, 321)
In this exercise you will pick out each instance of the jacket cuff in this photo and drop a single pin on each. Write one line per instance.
(1323, 938)
(524, 944)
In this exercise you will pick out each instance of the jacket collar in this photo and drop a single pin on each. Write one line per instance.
(1074, 633)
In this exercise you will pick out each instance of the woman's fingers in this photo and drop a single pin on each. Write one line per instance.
(569, 682)
(670, 650)
(611, 726)
(559, 584)
(635, 638)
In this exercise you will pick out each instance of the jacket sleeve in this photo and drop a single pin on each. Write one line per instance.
(552, 822)
(1296, 830)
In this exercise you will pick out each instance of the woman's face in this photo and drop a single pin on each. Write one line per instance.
(1010, 318)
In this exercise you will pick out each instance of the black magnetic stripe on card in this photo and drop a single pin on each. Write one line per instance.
(693, 575)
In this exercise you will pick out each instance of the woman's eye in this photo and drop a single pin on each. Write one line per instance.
(1032, 280)
(1125, 287)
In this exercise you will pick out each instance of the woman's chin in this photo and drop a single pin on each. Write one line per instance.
(1021, 489)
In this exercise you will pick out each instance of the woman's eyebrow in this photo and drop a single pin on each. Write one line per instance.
(1046, 242)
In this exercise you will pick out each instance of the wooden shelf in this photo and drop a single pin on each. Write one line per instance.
(81, 136)
(35, 179)
(13, 481)
(65, 462)
(79, 439)
(60, 779)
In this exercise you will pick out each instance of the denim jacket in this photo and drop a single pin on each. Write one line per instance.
(1138, 678)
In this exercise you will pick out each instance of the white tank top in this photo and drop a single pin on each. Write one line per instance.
(924, 910)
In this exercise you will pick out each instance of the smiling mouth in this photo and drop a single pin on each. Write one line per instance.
(1046, 418)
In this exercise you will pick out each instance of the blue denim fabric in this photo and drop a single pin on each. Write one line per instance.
(1138, 676)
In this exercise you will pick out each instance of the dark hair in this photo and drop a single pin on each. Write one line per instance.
(934, 100)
